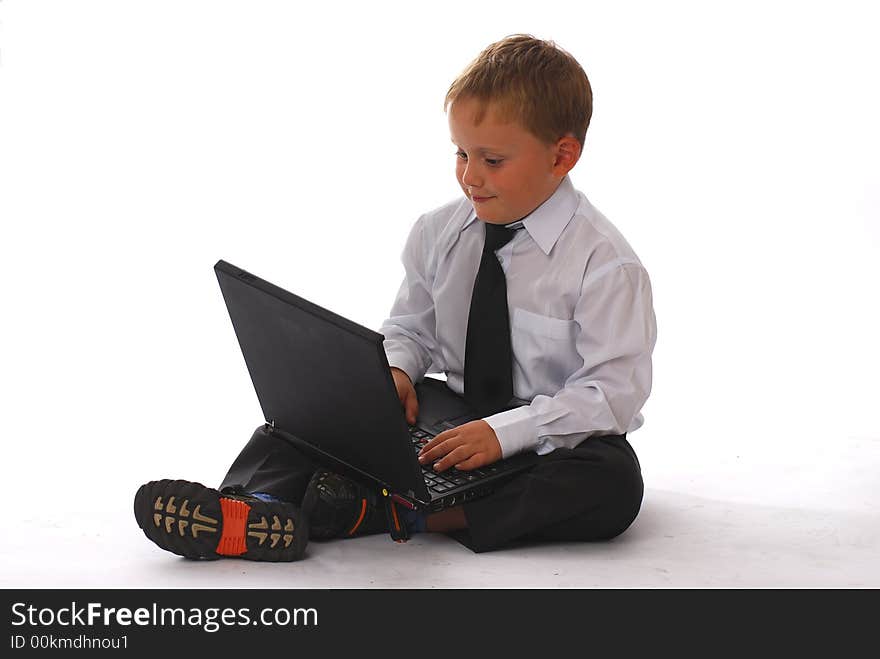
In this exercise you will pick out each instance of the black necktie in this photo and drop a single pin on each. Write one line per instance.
(488, 358)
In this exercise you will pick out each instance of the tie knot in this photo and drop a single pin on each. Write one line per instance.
(497, 236)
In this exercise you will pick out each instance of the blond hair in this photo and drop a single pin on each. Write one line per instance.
(530, 80)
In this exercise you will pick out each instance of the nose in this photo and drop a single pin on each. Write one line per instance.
(470, 176)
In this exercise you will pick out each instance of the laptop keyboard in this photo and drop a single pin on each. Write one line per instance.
(441, 482)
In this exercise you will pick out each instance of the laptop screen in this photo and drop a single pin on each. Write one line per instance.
(321, 377)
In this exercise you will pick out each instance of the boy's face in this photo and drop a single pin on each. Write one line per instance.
(502, 168)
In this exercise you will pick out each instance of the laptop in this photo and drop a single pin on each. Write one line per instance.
(324, 385)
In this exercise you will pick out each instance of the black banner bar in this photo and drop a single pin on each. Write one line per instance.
(239, 621)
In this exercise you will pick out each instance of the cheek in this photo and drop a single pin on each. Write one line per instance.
(501, 184)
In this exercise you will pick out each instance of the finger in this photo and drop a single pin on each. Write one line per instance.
(455, 456)
(437, 451)
(434, 453)
(473, 462)
(438, 439)
(411, 405)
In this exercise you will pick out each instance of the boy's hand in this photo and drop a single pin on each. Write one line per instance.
(406, 393)
(465, 447)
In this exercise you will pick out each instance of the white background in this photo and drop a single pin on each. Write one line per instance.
(734, 144)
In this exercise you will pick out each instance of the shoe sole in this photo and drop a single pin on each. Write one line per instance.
(198, 522)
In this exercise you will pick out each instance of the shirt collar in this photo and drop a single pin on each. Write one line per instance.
(546, 223)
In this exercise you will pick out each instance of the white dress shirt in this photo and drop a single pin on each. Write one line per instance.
(581, 318)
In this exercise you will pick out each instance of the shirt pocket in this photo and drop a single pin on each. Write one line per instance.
(544, 351)
(545, 326)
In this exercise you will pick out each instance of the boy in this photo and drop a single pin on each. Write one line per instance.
(521, 290)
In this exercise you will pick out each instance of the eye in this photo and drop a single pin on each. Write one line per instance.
(493, 162)
(461, 154)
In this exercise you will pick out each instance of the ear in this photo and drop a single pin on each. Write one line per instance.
(568, 152)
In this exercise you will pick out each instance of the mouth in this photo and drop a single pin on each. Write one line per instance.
(480, 200)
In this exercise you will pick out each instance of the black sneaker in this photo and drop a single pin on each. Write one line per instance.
(195, 521)
(340, 508)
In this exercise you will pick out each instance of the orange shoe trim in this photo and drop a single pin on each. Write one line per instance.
(361, 518)
(235, 514)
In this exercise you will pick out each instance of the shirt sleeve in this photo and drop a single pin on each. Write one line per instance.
(615, 338)
(410, 331)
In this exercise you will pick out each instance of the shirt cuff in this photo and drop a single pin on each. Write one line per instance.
(398, 357)
(515, 429)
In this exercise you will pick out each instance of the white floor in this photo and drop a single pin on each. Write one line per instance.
(818, 525)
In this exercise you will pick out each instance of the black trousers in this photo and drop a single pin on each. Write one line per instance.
(590, 492)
